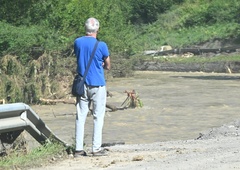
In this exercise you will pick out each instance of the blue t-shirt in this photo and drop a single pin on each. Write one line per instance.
(83, 48)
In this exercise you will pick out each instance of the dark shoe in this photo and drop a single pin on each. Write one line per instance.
(102, 152)
(80, 153)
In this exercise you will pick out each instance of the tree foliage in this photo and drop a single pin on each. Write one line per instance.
(55, 24)
(147, 11)
(40, 33)
(30, 27)
(211, 12)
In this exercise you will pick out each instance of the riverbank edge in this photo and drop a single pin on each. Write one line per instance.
(217, 67)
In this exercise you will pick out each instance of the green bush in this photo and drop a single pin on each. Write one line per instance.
(28, 42)
(147, 11)
(39, 36)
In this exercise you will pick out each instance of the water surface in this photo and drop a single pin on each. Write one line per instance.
(177, 106)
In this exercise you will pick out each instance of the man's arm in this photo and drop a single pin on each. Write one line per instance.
(107, 64)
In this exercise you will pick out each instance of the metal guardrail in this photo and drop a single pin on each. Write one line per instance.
(17, 117)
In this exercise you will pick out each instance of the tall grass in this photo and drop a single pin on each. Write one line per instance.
(37, 157)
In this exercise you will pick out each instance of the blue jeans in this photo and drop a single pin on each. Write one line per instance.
(96, 95)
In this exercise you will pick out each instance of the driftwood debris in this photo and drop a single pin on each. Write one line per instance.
(165, 50)
(132, 101)
(73, 101)
(55, 101)
(112, 107)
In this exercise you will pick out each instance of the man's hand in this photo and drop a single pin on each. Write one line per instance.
(106, 64)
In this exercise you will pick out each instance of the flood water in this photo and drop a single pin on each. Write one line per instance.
(177, 106)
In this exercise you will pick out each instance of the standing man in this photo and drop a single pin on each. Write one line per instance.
(95, 87)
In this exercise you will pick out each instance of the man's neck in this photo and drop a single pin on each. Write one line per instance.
(92, 35)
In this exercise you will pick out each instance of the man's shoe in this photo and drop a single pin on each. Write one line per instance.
(80, 153)
(102, 152)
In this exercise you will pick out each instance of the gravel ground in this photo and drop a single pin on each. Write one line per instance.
(217, 149)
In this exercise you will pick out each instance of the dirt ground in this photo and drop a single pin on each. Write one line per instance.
(220, 153)
(184, 124)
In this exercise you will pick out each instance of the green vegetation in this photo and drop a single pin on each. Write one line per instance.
(35, 158)
(192, 22)
(36, 37)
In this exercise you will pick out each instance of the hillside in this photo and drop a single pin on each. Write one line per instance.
(36, 45)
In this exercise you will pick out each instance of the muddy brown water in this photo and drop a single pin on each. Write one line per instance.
(177, 106)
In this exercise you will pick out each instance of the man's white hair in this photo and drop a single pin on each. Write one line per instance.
(91, 25)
